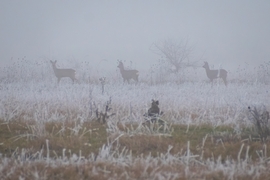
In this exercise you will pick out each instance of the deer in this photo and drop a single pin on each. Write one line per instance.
(153, 112)
(214, 74)
(154, 109)
(128, 74)
(60, 73)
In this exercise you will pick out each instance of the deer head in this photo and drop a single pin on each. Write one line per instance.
(120, 64)
(205, 65)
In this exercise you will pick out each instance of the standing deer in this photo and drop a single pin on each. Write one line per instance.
(213, 74)
(60, 73)
(128, 74)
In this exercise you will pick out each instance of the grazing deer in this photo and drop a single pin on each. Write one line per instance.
(60, 73)
(128, 74)
(213, 74)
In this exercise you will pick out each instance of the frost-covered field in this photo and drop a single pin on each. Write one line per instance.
(188, 103)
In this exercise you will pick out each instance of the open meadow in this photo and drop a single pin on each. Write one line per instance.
(90, 130)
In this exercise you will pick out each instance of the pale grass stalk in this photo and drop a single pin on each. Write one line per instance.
(188, 153)
(80, 155)
(122, 152)
(69, 151)
(35, 155)
(61, 130)
(247, 157)
(55, 154)
(260, 155)
(117, 138)
(201, 157)
(41, 152)
(52, 130)
(48, 151)
(265, 150)
(75, 131)
(130, 109)
(247, 139)
(204, 139)
(250, 138)
(22, 154)
(85, 132)
(9, 115)
(159, 127)
(213, 157)
(187, 171)
(64, 154)
(35, 175)
(202, 147)
(187, 128)
(16, 138)
(169, 150)
(105, 170)
(263, 154)
(220, 140)
(239, 153)
(130, 156)
(6, 123)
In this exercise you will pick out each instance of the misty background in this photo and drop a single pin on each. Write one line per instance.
(224, 33)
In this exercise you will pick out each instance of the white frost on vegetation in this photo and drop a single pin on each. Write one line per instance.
(189, 103)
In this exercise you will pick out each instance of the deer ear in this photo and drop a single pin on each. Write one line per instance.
(157, 102)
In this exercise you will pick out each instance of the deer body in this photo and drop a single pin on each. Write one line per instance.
(154, 109)
(154, 112)
(214, 74)
(128, 74)
(60, 73)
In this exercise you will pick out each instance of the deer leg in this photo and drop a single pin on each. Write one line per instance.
(225, 81)
(136, 78)
(212, 82)
(76, 80)
(58, 80)
(73, 79)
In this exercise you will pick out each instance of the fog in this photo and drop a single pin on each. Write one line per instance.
(230, 33)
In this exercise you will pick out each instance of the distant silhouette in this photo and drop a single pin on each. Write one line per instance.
(213, 74)
(127, 74)
(60, 73)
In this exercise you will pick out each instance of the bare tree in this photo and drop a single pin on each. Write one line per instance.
(176, 53)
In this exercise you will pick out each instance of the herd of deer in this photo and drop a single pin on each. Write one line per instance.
(134, 74)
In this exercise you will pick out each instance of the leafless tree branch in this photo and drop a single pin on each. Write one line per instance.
(176, 53)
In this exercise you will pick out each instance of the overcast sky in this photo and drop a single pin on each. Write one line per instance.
(227, 32)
